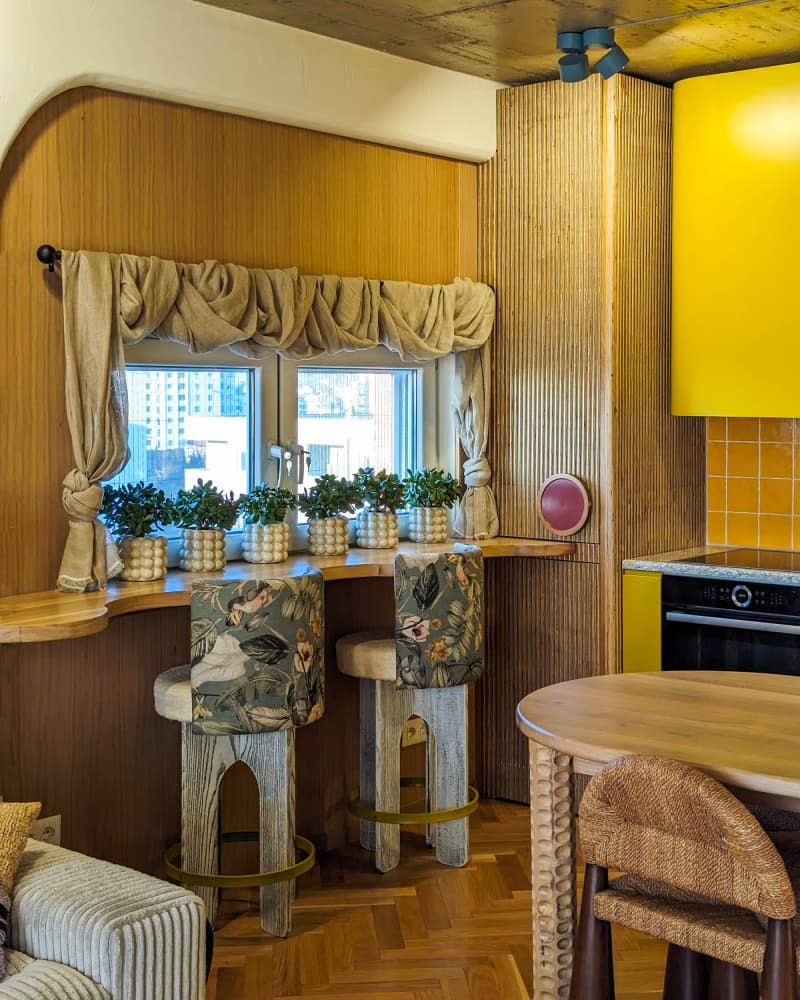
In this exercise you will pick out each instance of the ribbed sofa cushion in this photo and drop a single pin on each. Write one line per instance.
(34, 979)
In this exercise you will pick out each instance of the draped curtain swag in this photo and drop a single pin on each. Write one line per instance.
(111, 300)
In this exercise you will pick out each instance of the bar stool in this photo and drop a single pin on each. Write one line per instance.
(422, 669)
(257, 673)
(702, 875)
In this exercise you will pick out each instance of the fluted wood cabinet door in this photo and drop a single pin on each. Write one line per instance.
(575, 236)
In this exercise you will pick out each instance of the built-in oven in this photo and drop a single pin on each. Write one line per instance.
(722, 624)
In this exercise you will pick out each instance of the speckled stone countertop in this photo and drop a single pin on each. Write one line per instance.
(676, 564)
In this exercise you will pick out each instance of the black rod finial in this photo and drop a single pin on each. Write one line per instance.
(48, 255)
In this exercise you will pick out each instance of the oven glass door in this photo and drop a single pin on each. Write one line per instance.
(692, 641)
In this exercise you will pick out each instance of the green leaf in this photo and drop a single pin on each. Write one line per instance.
(426, 589)
(204, 635)
(270, 649)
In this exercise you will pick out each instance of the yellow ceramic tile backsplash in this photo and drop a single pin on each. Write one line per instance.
(753, 482)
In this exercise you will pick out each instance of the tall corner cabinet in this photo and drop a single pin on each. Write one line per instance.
(575, 236)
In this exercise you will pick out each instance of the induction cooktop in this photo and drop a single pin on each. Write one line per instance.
(771, 559)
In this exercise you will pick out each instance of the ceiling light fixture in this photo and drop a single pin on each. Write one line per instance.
(574, 65)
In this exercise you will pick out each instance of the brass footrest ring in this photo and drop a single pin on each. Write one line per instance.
(241, 881)
(363, 811)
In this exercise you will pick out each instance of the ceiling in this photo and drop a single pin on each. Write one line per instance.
(513, 41)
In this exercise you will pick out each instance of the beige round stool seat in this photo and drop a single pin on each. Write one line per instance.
(172, 692)
(369, 655)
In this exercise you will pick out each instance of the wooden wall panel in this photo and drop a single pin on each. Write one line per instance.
(549, 273)
(98, 170)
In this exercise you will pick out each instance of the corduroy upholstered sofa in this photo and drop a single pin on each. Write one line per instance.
(89, 930)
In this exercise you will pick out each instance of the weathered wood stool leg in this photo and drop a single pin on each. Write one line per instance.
(368, 725)
(270, 756)
(393, 708)
(446, 711)
(205, 759)
(430, 783)
(553, 864)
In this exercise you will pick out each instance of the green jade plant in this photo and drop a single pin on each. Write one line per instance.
(431, 488)
(266, 505)
(205, 507)
(381, 492)
(329, 497)
(135, 510)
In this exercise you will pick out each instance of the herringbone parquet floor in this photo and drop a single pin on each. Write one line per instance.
(422, 932)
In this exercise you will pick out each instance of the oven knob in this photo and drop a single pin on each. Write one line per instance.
(741, 596)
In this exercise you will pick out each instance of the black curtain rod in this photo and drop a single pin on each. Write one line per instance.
(48, 255)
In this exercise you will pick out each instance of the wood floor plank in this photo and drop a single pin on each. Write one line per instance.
(421, 932)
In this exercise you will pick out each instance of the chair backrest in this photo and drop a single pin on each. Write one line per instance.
(669, 823)
(257, 654)
(439, 617)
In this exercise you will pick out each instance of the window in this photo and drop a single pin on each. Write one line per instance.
(214, 416)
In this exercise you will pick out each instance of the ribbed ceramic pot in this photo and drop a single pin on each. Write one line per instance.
(143, 558)
(202, 550)
(265, 543)
(427, 524)
(327, 536)
(375, 530)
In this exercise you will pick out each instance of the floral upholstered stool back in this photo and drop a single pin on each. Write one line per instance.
(257, 673)
(422, 669)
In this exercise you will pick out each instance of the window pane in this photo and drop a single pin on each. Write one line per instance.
(353, 417)
(186, 424)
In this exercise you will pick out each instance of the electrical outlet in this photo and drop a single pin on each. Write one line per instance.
(47, 830)
(413, 732)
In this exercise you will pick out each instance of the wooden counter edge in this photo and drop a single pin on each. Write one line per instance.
(47, 616)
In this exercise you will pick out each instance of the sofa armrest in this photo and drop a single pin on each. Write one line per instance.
(137, 936)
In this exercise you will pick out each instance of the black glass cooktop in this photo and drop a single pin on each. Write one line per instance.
(771, 559)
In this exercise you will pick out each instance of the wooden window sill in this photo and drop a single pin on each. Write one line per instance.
(51, 614)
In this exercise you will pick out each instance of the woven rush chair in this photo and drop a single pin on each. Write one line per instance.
(701, 874)
(257, 673)
(422, 669)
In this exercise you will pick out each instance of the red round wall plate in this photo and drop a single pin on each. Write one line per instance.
(563, 504)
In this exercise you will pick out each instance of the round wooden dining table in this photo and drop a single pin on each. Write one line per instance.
(743, 729)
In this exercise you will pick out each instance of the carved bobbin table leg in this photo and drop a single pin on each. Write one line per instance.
(553, 872)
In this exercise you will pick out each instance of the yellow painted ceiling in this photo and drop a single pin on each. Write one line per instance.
(513, 41)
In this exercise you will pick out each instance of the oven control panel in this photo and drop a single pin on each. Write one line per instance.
(732, 595)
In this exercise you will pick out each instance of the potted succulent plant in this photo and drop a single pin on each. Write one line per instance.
(266, 533)
(205, 514)
(382, 495)
(429, 493)
(133, 512)
(324, 504)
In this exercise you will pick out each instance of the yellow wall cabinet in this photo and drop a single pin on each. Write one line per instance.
(641, 621)
(736, 244)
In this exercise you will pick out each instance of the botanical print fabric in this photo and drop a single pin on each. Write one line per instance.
(257, 654)
(439, 618)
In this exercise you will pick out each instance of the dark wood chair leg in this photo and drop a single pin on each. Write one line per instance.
(593, 965)
(779, 979)
(209, 948)
(729, 982)
(686, 975)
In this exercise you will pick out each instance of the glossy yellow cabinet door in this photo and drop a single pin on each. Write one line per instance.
(641, 621)
(736, 244)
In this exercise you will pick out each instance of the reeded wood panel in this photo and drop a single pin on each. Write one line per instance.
(543, 626)
(549, 278)
(98, 170)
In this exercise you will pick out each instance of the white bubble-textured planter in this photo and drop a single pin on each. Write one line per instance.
(427, 524)
(376, 530)
(143, 558)
(327, 536)
(202, 550)
(265, 543)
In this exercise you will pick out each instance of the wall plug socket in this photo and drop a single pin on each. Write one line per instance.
(48, 830)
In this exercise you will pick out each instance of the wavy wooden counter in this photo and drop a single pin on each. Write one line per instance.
(51, 614)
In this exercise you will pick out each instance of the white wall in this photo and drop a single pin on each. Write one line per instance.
(196, 54)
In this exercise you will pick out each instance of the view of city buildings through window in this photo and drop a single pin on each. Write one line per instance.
(189, 424)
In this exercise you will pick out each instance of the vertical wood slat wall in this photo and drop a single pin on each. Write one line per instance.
(578, 201)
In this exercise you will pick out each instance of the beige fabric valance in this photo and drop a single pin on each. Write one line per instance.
(111, 300)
